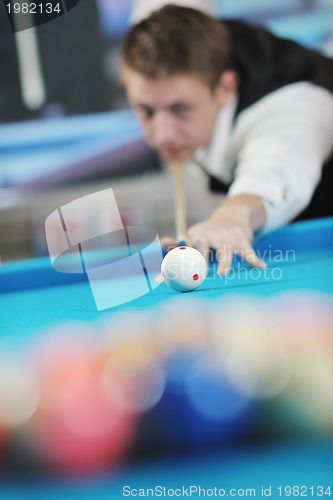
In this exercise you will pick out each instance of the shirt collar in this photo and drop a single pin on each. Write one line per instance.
(213, 157)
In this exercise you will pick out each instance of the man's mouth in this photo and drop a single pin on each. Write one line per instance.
(174, 152)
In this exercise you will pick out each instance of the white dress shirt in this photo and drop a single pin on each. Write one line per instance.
(274, 149)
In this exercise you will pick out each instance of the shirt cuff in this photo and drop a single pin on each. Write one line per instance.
(279, 208)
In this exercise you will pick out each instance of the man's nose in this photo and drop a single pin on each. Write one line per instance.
(165, 130)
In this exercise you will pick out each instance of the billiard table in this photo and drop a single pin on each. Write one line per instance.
(34, 298)
(299, 257)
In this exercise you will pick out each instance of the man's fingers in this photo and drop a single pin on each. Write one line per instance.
(225, 258)
(248, 254)
(168, 243)
(224, 261)
(159, 278)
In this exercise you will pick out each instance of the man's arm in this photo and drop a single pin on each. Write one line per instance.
(283, 142)
(230, 230)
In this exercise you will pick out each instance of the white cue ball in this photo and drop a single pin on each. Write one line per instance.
(184, 269)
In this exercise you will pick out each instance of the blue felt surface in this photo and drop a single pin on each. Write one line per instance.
(299, 257)
(33, 296)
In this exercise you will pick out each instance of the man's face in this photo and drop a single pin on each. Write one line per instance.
(177, 113)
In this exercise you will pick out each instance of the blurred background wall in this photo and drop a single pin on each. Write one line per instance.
(80, 137)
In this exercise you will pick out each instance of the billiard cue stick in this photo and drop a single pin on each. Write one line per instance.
(179, 200)
(30, 71)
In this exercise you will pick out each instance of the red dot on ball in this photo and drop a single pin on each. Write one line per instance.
(196, 277)
(182, 248)
(163, 274)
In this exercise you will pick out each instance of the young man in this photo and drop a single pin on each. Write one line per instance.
(255, 110)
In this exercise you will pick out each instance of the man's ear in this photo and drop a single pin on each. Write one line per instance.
(227, 87)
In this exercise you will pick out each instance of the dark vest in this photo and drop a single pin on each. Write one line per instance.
(266, 63)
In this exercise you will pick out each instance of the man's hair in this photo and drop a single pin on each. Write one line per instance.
(178, 40)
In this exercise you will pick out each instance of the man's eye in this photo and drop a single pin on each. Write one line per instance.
(180, 109)
(146, 111)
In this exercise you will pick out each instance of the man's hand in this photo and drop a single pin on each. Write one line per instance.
(229, 231)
